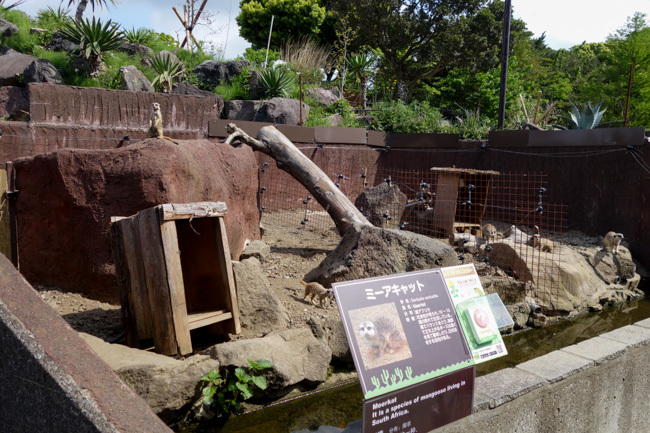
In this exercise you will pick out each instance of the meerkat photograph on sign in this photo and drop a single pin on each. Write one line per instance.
(379, 335)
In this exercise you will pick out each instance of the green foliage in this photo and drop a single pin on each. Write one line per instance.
(360, 64)
(257, 57)
(138, 36)
(293, 19)
(167, 69)
(227, 389)
(589, 118)
(416, 117)
(472, 127)
(303, 56)
(23, 40)
(162, 41)
(277, 82)
(53, 19)
(239, 87)
(93, 39)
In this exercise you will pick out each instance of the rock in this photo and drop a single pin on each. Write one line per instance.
(135, 49)
(7, 28)
(192, 90)
(75, 191)
(331, 330)
(613, 268)
(165, 53)
(281, 111)
(255, 91)
(6, 50)
(258, 249)
(14, 104)
(214, 73)
(131, 78)
(260, 310)
(537, 320)
(297, 358)
(165, 383)
(37, 30)
(42, 71)
(58, 43)
(323, 96)
(79, 64)
(335, 120)
(366, 251)
(240, 109)
(12, 68)
(383, 205)
(519, 313)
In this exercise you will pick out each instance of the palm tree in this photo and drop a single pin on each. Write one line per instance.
(81, 7)
(360, 65)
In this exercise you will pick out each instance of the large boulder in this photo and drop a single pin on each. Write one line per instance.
(213, 73)
(258, 249)
(191, 90)
(330, 329)
(14, 104)
(383, 205)
(68, 197)
(366, 251)
(131, 78)
(297, 358)
(42, 71)
(7, 29)
(281, 111)
(255, 90)
(58, 43)
(166, 384)
(323, 96)
(238, 109)
(12, 68)
(260, 310)
(612, 268)
(135, 49)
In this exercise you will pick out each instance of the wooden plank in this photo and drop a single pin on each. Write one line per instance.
(153, 259)
(444, 207)
(200, 320)
(176, 288)
(228, 277)
(176, 211)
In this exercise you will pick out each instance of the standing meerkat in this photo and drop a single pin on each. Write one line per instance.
(612, 240)
(489, 232)
(382, 335)
(155, 122)
(313, 290)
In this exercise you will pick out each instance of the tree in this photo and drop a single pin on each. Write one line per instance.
(417, 39)
(81, 7)
(292, 19)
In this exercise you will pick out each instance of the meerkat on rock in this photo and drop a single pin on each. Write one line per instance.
(612, 241)
(156, 123)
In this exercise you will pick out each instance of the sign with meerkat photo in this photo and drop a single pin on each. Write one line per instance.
(402, 330)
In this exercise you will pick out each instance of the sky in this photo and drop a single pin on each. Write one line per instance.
(566, 22)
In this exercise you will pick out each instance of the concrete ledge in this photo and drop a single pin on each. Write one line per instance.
(505, 385)
(217, 127)
(597, 349)
(335, 135)
(555, 366)
(633, 336)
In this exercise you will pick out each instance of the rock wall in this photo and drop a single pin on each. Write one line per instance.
(67, 198)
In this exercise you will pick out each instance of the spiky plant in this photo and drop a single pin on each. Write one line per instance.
(588, 119)
(276, 82)
(53, 18)
(93, 40)
(360, 65)
(137, 36)
(10, 6)
(168, 69)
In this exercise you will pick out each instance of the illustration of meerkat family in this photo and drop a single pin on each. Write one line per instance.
(380, 335)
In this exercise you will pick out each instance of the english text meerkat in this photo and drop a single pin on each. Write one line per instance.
(313, 290)
(382, 335)
(155, 122)
(612, 240)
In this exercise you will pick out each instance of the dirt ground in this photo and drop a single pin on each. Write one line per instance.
(295, 250)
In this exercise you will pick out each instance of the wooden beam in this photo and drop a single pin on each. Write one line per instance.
(177, 211)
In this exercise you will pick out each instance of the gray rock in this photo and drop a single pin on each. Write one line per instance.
(7, 29)
(6, 50)
(165, 383)
(323, 96)
(13, 103)
(131, 78)
(134, 49)
(37, 30)
(297, 358)
(331, 330)
(214, 73)
(613, 268)
(255, 91)
(258, 249)
(260, 310)
(519, 313)
(367, 251)
(58, 43)
(12, 68)
(382, 200)
(42, 71)
(165, 53)
(241, 110)
(335, 120)
(281, 111)
(191, 90)
(79, 64)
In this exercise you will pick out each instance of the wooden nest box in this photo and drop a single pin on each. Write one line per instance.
(175, 275)
(460, 201)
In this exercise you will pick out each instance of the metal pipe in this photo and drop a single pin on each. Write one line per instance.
(505, 48)
(268, 43)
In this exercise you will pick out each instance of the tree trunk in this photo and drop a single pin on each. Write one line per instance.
(81, 8)
(288, 158)
(364, 91)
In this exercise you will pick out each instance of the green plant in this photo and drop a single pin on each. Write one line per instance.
(360, 65)
(11, 6)
(137, 36)
(276, 82)
(305, 57)
(227, 391)
(168, 68)
(93, 39)
(51, 18)
(257, 57)
(416, 117)
(588, 119)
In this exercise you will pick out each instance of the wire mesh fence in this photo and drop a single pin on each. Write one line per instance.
(501, 222)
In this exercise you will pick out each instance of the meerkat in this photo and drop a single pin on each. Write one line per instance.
(542, 244)
(313, 290)
(382, 334)
(156, 123)
(489, 232)
(612, 240)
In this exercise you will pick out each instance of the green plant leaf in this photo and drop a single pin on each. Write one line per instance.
(245, 390)
(262, 364)
(260, 382)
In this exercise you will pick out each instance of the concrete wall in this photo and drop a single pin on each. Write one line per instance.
(598, 385)
(50, 380)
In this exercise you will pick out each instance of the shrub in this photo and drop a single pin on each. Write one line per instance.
(53, 19)
(307, 58)
(167, 69)
(93, 39)
(416, 117)
(137, 36)
(276, 82)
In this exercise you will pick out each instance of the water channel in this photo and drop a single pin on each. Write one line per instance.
(330, 410)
